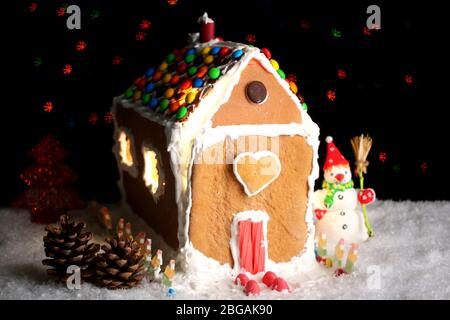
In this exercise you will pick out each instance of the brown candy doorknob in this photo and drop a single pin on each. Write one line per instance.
(256, 92)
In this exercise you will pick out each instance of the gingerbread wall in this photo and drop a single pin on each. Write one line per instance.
(217, 195)
(279, 108)
(162, 215)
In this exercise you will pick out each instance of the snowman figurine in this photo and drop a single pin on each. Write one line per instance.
(336, 205)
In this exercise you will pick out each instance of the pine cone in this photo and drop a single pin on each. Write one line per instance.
(121, 266)
(68, 245)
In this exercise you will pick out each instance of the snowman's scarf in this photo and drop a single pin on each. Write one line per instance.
(332, 188)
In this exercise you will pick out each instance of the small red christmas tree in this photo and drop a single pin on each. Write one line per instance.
(48, 195)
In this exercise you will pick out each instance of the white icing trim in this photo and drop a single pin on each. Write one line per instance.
(205, 19)
(254, 216)
(257, 156)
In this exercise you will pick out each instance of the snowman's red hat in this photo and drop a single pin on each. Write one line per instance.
(334, 156)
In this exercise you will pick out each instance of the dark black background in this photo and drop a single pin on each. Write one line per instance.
(407, 122)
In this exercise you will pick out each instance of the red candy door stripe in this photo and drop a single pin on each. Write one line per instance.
(252, 250)
(245, 245)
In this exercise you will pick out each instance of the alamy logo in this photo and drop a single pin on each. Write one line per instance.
(374, 278)
(74, 20)
(374, 20)
(74, 280)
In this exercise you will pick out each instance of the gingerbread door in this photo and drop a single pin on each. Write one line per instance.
(249, 241)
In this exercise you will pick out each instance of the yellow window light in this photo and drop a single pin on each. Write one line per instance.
(151, 174)
(125, 149)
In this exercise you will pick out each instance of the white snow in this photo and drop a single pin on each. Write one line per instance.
(409, 258)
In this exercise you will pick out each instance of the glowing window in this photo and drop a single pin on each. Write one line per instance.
(151, 174)
(125, 149)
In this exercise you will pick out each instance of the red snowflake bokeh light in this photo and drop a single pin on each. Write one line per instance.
(108, 117)
(32, 7)
(250, 38)
(140, 36)
(341, 74)
(61, 12)
(67, 69)
(81, 45)
(145, 24)
(48, 106)
(409, 79)
(93, 118)
(116, 60)
(331, 95)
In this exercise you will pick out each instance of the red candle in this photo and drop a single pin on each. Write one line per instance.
(207, 28)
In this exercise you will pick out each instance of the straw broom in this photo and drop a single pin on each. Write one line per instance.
(361, 147)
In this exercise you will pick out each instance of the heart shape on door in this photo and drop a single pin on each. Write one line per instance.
(255, 171)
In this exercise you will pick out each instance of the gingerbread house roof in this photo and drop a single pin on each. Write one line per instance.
(173, 90)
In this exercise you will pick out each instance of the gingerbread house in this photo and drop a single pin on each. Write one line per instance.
(217, 153)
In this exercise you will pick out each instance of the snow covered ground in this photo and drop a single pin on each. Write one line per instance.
(409, 258)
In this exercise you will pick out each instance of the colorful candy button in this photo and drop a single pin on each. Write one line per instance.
(167, 77)
(214, 73)
(274, 64)
(205, 51)
(169, 93)
(293, 87)
(181, 113)
(266, 53)
(157, 75)
(154, 103)
(146, 99)
(237, 54)
(198, 83)
(191, 51)
(164, 104)
(182, 67)
(174, 106)
(202, 71)
(163, 66)
(190, 97)
(224, 51)
(149, 87)
(305, 106)
(186, 84)
(170, 58)
(150, 72)
(175, 79)
(137, 95)
(209, 59)
(281, 73)
(192, 70)
(140, 82)
(215, 51)
(189, 58)
(128, 93)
